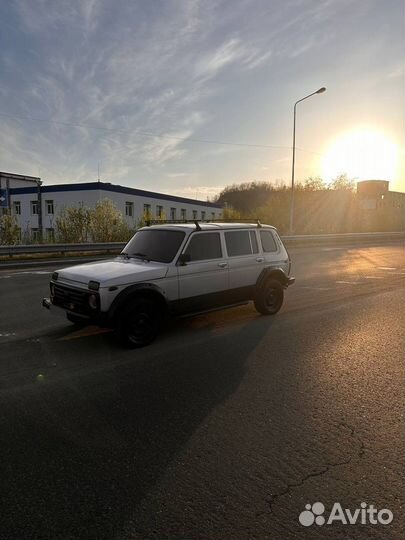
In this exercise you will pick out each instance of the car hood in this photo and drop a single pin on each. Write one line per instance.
(113, 272)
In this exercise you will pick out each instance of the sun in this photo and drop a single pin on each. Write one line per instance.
(364, 154)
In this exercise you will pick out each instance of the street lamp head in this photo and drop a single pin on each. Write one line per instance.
(321, 90)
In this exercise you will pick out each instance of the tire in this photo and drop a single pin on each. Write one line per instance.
(139, 323)
(77, 321)
(269, 297)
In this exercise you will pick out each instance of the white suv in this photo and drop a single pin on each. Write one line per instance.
(175, 269)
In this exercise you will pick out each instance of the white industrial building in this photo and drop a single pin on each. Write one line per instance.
(36, 206)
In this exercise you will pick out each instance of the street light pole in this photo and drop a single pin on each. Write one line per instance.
(320, 91)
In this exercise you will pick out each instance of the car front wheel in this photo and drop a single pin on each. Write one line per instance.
(139, 324)
(269, 297)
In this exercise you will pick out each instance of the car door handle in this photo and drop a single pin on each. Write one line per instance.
(223, 265)
(260, 259)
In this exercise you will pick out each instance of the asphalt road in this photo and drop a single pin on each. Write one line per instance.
(224, 428)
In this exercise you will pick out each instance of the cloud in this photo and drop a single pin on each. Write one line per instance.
(232, 51)
(130, 86)
(302, 48)
(397, 73)
(55, 15)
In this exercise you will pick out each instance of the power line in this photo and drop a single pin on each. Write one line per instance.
(154, 135)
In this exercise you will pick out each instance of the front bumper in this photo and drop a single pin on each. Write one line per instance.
(100, 319)
(47, 304)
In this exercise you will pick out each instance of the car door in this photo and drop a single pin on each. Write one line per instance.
(203, 281)
(245, 262)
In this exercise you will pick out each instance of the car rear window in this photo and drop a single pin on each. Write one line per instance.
(268, 242)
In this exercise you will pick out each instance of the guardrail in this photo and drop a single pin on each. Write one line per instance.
(290, 241)
(62, 249)
(341, 239)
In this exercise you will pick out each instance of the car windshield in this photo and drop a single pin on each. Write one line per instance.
(154, 245)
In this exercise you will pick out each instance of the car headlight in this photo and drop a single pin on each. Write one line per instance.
(93, 302)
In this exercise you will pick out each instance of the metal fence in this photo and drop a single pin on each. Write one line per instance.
(62, 249)
(290, 241)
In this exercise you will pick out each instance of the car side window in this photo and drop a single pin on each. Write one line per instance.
(268, 243)
(204, 246)
(240, 243)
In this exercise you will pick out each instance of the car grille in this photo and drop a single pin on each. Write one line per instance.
(71, 299)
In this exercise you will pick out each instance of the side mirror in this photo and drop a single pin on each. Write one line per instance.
(184, 258)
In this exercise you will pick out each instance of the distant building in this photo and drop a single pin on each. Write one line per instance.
(36, 206)
(380, 208)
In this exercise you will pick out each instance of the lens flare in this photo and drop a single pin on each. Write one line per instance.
(363, 154)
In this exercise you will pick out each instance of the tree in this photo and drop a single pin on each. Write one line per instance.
(145, 219)
(230, 213)
(245, 197)
(107, 223)
(9, 230)
(73, 224)
(343, 182)
(314, 183)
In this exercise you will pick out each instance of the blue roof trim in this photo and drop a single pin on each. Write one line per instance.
(105, 186)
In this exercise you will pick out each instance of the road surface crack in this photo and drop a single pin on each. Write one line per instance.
(272, 500)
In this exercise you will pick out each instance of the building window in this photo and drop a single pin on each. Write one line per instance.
(172, 213)
(129, 209)
(202, 215)
(146, 209)
(34, 208)
(183, 213)
(213, 215)
(50, 234)
(194, 214)
(49, 207)
(17, 208)
(159, 211)
(19, 234)
(35, 234)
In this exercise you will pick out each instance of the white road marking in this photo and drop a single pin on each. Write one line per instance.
(8, 334)
(385, 268)
(348, 282)
(374, 277)
(314, 288)
(33, 272)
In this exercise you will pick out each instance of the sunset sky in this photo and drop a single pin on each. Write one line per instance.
(185, 97)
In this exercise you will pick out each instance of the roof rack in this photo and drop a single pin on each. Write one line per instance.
(243, 220)
(197, 222)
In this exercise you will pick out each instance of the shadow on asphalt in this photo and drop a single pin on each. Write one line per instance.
(80, 454)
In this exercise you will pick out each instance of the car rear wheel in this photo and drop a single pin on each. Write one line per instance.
(269, 297)
(139, 323)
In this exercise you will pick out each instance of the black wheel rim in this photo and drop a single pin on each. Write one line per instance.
(272, 298)
(140, 327)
